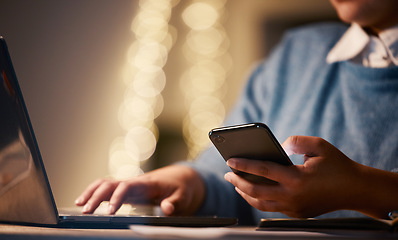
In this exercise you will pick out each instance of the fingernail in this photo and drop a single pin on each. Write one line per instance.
(79, 201)
(167, 207)
(86, 208)
(238, 190)
(231, 163)
(111, 209)
(227, 177)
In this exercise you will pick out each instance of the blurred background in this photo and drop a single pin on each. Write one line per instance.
(117, 88)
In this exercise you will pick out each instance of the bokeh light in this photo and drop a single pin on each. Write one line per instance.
(203, 83)
(145, 80)
(200, 15)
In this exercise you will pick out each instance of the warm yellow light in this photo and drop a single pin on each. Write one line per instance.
(140, 143)
(140, 111)
(149, 84)
(138, 108)
(207, 75)
(158, 7)
(204, 78)
(206, 104)
(206, 112)
(154, 105)
(204, 82)
(145, 81)
(118, 160)
(206, 41)
(148, 55)
(200, 16)
(154, 35)
(128, 171)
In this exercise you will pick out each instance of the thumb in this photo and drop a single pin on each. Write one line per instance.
(178, 203)
(167, 206)
(310, 146)
(172, 204)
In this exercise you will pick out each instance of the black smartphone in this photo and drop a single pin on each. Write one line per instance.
(251, 141)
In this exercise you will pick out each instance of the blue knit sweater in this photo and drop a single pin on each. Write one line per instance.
(295, 92)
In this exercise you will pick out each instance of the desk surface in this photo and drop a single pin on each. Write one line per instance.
(27, 232)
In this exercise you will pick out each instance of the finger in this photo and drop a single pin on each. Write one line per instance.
(167, 207)
(263, 205)
(176, 204)
(310, 146)
(258, 191)
(118, 197)
(267, 169)
(83, 198)
(135, 191)
(102, 193)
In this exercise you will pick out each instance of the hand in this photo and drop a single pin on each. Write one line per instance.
(178, 189)
(327, 181)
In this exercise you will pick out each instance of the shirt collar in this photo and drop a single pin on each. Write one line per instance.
(355, 41)
(350, 44)
(390, 39)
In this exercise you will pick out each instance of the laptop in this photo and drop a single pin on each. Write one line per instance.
(25, 193)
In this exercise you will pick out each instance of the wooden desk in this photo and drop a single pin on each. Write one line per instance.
(25, 232)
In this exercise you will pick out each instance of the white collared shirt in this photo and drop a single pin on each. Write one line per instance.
(358, 46)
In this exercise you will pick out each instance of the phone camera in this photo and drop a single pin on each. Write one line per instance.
(219, 139)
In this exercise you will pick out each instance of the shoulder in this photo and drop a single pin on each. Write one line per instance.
(301, 48)
(325, 34)
(308, 43)
(320, 30)
(299, 57)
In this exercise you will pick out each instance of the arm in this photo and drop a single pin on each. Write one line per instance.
(327, 181)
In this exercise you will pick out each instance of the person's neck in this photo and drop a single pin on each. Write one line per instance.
(377, 29)
(372, 31)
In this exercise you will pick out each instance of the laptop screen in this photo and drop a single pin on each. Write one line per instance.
(25, 195)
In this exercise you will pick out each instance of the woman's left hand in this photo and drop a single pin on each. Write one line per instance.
(327, 181)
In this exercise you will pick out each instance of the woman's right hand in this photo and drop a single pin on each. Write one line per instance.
(179, 190)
